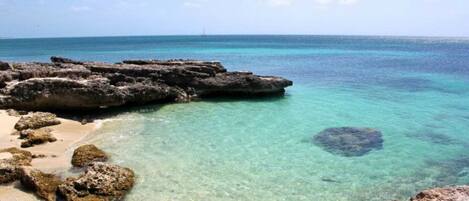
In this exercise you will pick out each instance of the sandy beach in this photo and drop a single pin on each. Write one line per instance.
(58, 154)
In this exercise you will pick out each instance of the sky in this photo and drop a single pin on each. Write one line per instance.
(75, 18)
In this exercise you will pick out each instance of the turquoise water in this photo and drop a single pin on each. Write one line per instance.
(414, 90)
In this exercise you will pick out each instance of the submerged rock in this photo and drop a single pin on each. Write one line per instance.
(460, 193)
(43, 184)
(10, 160)
(86, 154)
(37, 120)
(450, 171)
(433, 137)
(100, 182)
(349, 141)
(36, 137)
(68, 84)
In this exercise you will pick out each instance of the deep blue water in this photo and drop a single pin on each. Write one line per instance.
(414, 90)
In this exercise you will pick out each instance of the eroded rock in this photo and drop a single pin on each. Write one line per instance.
(66, 84)
(19, 157)
(460, 193)
(86, 154)
(349, 141)
(99, 182)
(36, 137)
(10, 160)
(37, 120)
(44, 185)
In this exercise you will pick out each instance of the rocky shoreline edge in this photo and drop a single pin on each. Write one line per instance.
(66, 84)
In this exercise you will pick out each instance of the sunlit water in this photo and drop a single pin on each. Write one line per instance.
(414, 90)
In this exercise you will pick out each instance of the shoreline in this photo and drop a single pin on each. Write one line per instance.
(69, 134)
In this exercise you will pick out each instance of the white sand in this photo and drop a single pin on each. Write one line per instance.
(69, 134)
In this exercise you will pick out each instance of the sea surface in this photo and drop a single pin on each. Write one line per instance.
(415, 90)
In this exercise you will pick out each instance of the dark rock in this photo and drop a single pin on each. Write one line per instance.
(349, 141)
(99, 182)
(4, 78)
(460, 193)
(39, 156)
(4, 66)
(55, 59)
(66, 84)
(43, 184)
(36, 137)
(10, 160)
(86, 154)
(37, 120)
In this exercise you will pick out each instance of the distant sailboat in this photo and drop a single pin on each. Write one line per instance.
(203, 33)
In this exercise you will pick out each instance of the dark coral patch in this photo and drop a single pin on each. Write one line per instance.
(349, 141)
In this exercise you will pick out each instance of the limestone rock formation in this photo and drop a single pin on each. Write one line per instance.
(43, 184)
(349, 141)
(66, 84)
(36, 137)
(86, 154)
(37, 120)
(460, 193)
(99, 182)
(10, 160)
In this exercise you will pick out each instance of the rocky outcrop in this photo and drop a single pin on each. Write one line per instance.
(68, 84)
(10, 160)
(4, 66)
(99, 182)
(37, 120)
(36, 137)
(43, 184)
(87, 154)
(460, 193)
(349, 141)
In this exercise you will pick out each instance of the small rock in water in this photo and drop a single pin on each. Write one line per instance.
(86, 154)
(349, 141)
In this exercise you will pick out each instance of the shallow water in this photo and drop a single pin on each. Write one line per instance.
(414, 90)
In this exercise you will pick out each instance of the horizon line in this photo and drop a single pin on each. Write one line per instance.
(208, 35)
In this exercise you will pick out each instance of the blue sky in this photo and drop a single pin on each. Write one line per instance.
(59, 18)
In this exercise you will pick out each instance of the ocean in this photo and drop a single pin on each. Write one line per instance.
(415, 90)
